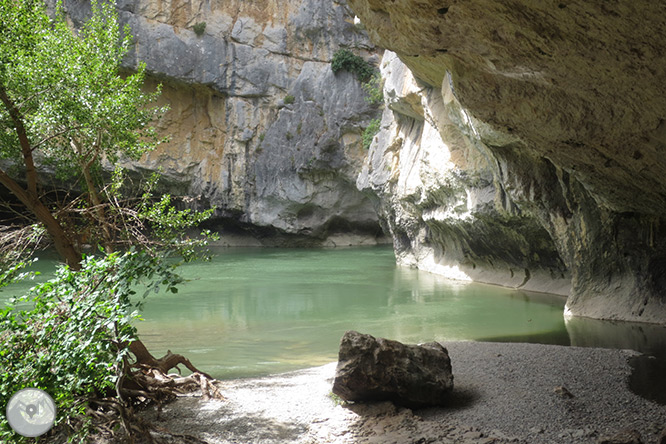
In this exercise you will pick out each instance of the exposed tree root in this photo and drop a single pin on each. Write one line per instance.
(141, 383)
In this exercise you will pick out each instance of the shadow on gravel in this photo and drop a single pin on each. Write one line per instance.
(459, 399)
(462, 399)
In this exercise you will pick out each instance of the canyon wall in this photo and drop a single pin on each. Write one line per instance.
(259, 125)
(530, 141)
(440, 196)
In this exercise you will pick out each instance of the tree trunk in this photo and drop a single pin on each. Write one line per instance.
(96, 201)
(61, 240)
(29, 197)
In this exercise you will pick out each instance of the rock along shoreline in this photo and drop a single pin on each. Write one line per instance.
(503, 392)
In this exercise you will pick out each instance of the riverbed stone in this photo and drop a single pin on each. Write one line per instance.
(378, 369)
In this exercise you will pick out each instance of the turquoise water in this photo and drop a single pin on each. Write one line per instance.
(259, 311)
(253, 312)
(256, 311)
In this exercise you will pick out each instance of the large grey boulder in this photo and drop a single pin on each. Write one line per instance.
(374, 369)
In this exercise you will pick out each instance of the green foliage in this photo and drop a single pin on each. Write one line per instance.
(289, 99)
(76, 107)
(336, 399)
(10, 270)
(199, 28)
(344, 59)
(374, 89)
(73, 340)
(169, 227)
(369, 133)
(289, 136)
(64, 103)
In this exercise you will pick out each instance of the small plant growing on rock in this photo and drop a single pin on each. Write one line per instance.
(374, 88)
(369, 133)
(289, 136)
(336, 399)
(344, 59)
(289, 99)
(199, 28)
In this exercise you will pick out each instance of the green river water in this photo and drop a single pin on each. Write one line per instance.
(260, 311)
(257, 311)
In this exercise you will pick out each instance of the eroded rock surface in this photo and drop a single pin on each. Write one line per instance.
(377, 369)
(441, 200)
(552, 114)
(259, 125)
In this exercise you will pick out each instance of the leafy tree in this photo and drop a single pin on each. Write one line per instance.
(66, 108)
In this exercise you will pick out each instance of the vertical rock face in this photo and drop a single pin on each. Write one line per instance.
(547, 120)
(441, 198)
(259, 125)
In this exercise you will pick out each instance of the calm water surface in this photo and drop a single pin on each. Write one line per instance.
(259, 311)
(254, 312)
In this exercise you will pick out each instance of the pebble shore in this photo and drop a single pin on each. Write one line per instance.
(503, 393)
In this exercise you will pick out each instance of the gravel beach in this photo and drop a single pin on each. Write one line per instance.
(503, 392)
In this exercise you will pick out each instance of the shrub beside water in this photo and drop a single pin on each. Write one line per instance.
(73, 342)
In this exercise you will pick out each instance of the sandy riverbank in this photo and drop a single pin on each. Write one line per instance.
(503, 393)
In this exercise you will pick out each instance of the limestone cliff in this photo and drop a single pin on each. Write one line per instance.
(439, 196)
(260, 126)
(531, 141)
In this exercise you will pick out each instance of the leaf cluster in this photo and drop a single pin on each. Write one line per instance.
(199, 28)
(345, 60)
(374, 89)
(73, 339)
(169, 228)
(369, 133)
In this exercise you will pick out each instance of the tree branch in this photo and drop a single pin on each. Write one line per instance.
(26, 148)
(53, 136)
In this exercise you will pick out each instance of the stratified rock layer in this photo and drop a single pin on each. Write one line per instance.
(259, 125)
(564, 104)
(377, 369)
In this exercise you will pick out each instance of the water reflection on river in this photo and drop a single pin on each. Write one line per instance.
(258, 311)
